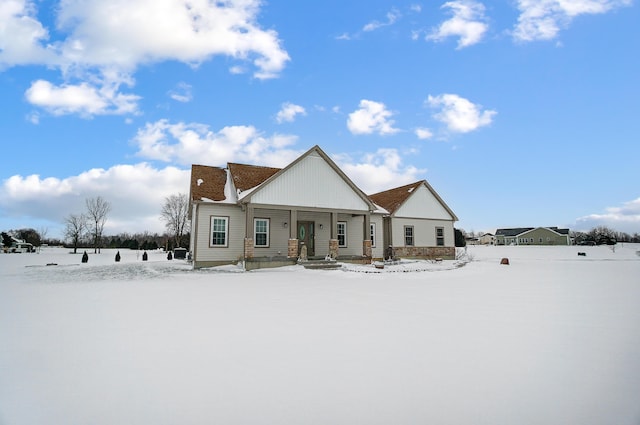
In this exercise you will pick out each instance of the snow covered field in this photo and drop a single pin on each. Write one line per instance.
(553, 338)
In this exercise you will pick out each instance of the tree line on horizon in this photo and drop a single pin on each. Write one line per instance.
(85, 230)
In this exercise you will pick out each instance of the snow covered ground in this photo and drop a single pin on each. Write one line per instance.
(552, 338)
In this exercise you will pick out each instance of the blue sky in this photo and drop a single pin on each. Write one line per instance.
(518, 112)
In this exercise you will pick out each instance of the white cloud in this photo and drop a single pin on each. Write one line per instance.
(459, 114)
(136, 193)
(372, 117)
(543, 19)
(237, 70)
(33, 118)
(23, 39)
(379, 171)
(622, 219)
(182, 93)
(288, 112)
(158, 30)
(96, 53)
(467, 22)
(195, 143)
(83, 99)
(423, 133)
(392, 17)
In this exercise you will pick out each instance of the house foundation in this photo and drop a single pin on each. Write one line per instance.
(425, 252)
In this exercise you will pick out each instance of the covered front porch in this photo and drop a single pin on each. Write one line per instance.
(280, 236)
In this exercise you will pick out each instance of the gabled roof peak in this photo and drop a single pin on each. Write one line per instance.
(392, 199)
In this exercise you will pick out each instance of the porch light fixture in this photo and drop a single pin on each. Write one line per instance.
(285, 224)
(321, 226)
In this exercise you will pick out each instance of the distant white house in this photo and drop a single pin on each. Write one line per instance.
(19, 246)
(487, 239)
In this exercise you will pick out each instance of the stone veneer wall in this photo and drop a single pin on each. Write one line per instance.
(428, 252)
(333, 248)
(366, 248)
(248, 247)
(292, 248)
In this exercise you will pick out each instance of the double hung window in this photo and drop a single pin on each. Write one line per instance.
(219, 231)
(373, 234)
(342, 233)
(408, 236)
(439, 236)
(261, 232)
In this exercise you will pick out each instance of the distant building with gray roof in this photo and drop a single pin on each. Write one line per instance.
(533, 236)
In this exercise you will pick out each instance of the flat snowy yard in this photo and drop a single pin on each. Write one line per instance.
(553, 338)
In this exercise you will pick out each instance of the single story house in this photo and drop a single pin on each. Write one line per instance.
(533, 236)
(268, 217)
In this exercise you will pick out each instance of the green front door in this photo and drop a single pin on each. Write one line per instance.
(306, 236)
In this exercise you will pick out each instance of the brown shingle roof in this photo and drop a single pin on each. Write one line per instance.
(392, 199)
(207, 182)
(246, 177)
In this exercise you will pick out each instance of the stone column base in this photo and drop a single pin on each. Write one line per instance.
(333, 248)
(248, 247)
(292, 248)
(366, 248)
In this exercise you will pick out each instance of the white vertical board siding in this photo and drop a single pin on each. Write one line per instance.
(235, 248)
(424, 232)
(422, 204)
(312, 182)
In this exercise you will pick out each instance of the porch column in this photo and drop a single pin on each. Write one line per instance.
(333, 239)
(293, 224)
(366, 243)
(292, 247)
(334, 225)
(248, 232)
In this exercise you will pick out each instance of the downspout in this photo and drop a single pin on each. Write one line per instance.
(195, 233)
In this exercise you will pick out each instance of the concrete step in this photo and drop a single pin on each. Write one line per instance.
(320, 264)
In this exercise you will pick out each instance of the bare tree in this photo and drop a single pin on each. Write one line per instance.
(75, 228)
(175, 214)
(97, 210)
(43, 231)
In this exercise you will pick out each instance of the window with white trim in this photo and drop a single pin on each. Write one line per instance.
(219, 231)
(342, 233)
(439, 236)
(373, 234)
(408, 235)
(261, 232)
